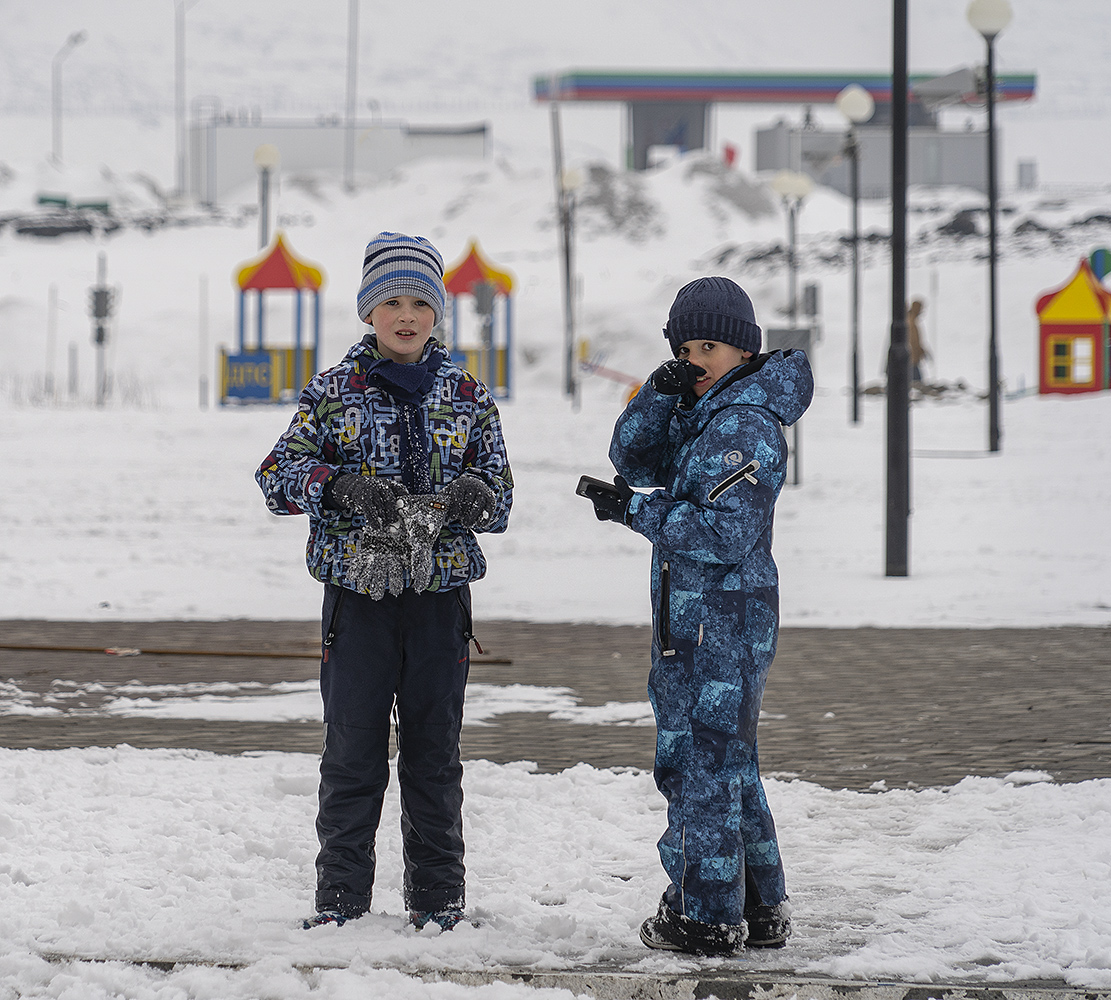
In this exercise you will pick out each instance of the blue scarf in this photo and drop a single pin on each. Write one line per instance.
(407, 385)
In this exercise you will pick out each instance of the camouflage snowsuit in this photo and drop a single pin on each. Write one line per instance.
(715, 591)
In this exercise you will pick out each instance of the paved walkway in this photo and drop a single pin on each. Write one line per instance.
(844, 707)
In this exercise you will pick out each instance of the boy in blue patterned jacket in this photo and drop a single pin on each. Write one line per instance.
(706, 431)
(397, 456)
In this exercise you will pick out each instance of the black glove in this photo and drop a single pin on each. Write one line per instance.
(611, 503)
(675, 377)
(469, 501)
(375, 497)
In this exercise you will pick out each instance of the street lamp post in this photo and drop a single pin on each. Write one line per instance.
(56, 94)
(180, 7)
(857, 105)
(989, 18)
(898, 357)
(267, 159)
(352, 77)
(566, 183)
(792, 187)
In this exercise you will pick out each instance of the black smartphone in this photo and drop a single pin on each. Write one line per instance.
(590, 487)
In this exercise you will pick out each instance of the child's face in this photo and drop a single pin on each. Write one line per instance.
(718, 359)
(403, 325)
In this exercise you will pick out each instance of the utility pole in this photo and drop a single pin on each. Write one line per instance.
(565, 206)
(56, 94)
(352, 75)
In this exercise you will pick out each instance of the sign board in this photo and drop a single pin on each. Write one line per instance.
(274, 375)
(249, 376)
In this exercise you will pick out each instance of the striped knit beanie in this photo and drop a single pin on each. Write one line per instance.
(713, 309)
(396, 264)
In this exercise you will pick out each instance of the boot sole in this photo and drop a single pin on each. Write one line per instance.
(652, 942)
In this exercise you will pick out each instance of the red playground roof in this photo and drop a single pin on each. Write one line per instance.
(279, 267)
(474, 269)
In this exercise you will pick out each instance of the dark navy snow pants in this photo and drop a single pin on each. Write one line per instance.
(720, 849)
(407, 654)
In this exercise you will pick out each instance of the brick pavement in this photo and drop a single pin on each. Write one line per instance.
(844, 707)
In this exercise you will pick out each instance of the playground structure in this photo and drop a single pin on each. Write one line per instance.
(1074, 332)
(262, 374)
(491, 359)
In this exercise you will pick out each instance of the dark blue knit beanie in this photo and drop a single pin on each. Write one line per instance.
(713, 309)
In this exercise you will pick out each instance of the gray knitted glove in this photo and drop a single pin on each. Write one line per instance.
(469, 500)
(375, 497)
(422, 517)
(381, 558)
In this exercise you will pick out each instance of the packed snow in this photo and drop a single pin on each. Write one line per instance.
(146, 508)
(291, 701)
(122, 856)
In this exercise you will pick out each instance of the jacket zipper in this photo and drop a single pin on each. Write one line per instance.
(665, 609)
(331, 634)
(468, 633)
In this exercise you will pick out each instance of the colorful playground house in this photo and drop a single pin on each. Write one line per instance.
(1074, 338)
(262, 374)
(490, 359)
(268, 374)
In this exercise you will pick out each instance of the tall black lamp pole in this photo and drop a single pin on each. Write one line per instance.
(989, 17)
(898, 357)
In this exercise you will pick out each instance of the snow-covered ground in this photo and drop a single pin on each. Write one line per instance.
(125, 855)
(147, 508)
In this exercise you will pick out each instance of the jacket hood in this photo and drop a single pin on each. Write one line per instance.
(780, 382)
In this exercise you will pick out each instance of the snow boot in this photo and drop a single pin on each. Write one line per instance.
(768, 926)
(672, 931)
(446, 918)
(325, 917)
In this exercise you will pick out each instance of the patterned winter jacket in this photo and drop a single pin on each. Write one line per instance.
(343, 424)
(721, 464)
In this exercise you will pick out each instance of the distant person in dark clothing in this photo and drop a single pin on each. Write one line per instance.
(918, 351)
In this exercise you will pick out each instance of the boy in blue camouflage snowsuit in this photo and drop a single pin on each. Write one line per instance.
(396, 455)
(705, 431)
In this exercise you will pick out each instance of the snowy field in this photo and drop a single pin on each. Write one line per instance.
(147, 509)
